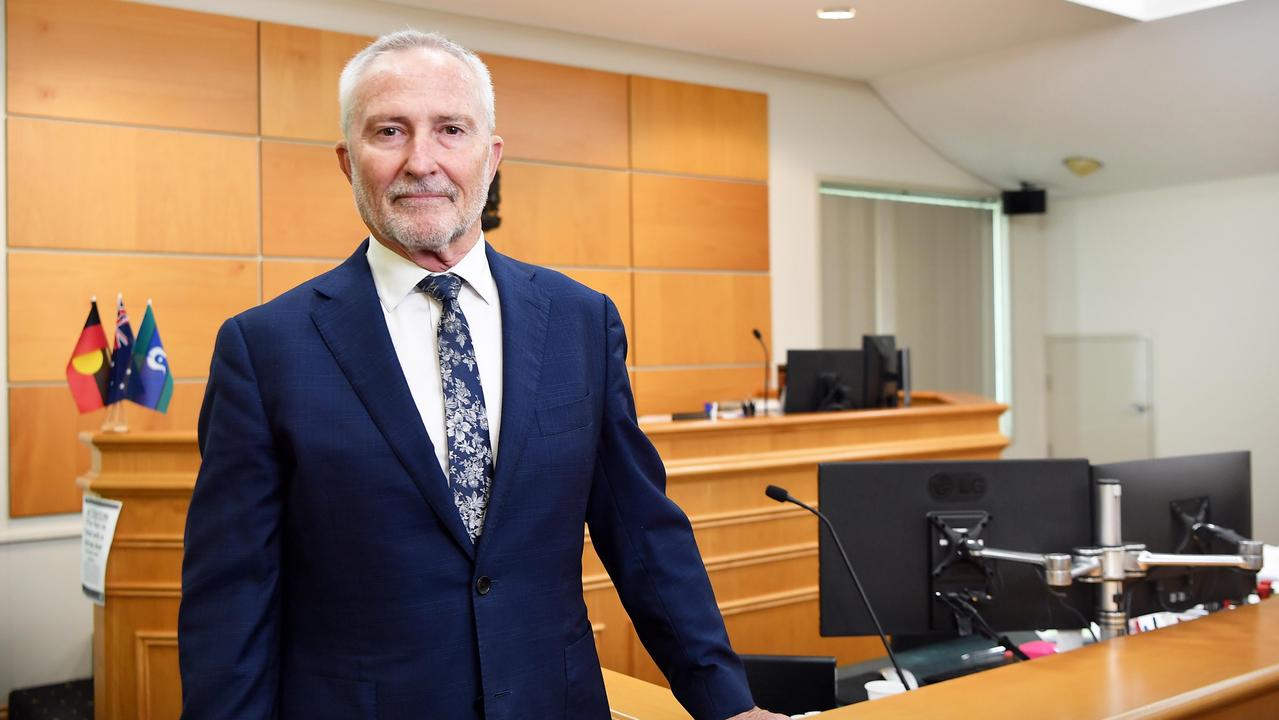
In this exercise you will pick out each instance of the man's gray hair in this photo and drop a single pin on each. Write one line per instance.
(409, 40)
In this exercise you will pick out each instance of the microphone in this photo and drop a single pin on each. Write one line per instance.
(759, 337)
(780, 495)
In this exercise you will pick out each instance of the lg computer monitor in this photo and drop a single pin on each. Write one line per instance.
(887, 512)
(1162, 501)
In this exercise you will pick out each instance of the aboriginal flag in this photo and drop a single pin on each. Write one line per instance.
(89, 369)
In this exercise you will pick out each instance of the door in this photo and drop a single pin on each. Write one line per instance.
(1099, 398)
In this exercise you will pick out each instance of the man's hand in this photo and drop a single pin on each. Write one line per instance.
(757, 714)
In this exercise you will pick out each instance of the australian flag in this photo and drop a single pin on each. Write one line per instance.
(121, 367)
(151, 384)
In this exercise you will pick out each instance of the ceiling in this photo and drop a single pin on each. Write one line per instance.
(1177, 101)
(887, 36)
(1004, 88)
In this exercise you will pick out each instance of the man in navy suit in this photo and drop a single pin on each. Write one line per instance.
(356, 546)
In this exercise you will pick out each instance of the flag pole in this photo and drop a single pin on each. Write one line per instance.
(116, 421)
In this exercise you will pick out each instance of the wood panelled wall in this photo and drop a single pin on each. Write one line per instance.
(188, 158)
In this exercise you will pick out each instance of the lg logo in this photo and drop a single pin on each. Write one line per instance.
(957, 486)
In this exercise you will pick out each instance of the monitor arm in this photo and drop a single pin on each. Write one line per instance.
(1059, 568)
(1112, 562)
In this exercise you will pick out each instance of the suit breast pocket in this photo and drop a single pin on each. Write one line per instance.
(563, 416)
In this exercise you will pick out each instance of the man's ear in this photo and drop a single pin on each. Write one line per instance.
(495, 155)
(344, 158)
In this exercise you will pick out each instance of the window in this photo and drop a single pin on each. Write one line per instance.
(930, 269)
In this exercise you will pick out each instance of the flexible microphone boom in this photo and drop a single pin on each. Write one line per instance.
(780, 495)
(760, 338)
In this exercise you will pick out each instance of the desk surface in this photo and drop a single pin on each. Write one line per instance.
(1180, 671)
(1185, 671)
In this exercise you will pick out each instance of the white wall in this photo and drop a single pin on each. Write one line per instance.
(1026, 258)
(1194, 269)
(819, 128)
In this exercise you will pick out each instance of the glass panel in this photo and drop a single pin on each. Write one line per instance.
(847, 271)
(942, 298)
(923, 269)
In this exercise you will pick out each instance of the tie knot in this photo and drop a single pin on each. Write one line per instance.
(441, 287)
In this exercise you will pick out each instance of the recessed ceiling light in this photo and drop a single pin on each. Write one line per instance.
(846, 13)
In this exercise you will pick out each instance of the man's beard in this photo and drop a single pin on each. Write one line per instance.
(401, 227)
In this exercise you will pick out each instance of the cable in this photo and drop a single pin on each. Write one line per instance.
(984, 627)
(1060, 597)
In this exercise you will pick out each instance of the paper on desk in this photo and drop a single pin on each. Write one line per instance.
(100, 516)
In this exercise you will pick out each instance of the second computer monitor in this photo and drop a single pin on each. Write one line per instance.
(1162, 500)
(881, 378)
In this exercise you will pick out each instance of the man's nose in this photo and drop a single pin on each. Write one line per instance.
(422, 159)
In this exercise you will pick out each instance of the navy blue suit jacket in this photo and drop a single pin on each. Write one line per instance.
(327, 573)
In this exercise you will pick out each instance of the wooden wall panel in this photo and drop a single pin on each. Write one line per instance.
(670, 391)
(564, 216)
(615, 284)
(699, 130)
(307, 206)
(132, 63)
(46, 455)
(131, 189)
(534, 98)
(699, 318)
(49, 293)
(300, 69)
(279, 276)
(699, 224)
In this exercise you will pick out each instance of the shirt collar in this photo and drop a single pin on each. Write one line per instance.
(396, 277)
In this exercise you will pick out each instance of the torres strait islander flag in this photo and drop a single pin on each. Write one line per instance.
(151, 382)
(89, 369)
(121, 368)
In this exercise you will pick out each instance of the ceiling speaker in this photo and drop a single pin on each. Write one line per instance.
(1026, 201)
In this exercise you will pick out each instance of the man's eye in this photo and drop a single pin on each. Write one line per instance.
(388, 131)
(452, 130)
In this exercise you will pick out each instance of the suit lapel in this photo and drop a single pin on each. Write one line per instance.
(525, 317)
(349, 317)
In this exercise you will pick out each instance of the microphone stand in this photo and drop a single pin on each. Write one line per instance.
(759, 337)
(780, 495)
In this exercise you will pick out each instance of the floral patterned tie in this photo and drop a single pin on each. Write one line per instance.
(466, 424)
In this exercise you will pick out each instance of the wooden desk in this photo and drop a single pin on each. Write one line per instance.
(1223, 666)
(634, 699)
(761, 556)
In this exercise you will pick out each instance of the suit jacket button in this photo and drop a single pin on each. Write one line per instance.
(483, 585)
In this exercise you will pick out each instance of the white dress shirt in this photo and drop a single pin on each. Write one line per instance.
(413, 319)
